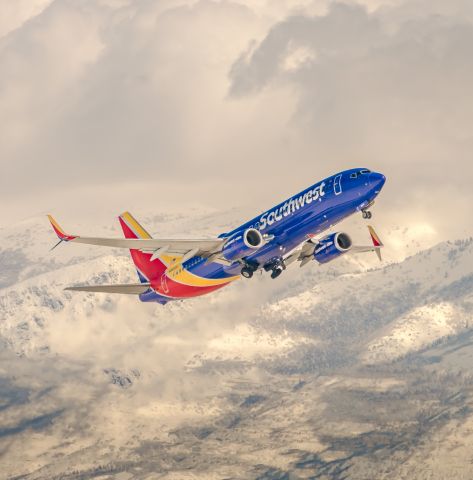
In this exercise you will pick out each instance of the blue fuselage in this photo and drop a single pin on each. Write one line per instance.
(288, 225)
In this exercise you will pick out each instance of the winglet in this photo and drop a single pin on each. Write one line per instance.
(376, 241)
(63, 237)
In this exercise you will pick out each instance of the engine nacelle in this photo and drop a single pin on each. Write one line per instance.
(241, 245)
(332, 246)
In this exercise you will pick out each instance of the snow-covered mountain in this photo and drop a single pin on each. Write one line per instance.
(325, 369)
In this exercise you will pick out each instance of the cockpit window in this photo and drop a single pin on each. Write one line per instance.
(353, 175)
(365, 171)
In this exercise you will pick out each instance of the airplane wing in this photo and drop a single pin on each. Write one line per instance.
(130, 288)
(304, 254)
(376, 247)
(187, 248)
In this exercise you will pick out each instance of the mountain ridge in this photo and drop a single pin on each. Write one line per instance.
(292, 355)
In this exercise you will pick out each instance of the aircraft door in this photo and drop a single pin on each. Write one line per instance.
(337, 185)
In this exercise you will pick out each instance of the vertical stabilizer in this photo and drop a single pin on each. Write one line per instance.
(147, 268)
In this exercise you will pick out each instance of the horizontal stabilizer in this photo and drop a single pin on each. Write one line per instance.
(130, 289)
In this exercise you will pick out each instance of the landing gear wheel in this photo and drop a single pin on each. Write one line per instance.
(367, 215)
(247, 272)
(276, 272)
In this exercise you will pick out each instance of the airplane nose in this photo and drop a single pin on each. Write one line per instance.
(377, 180)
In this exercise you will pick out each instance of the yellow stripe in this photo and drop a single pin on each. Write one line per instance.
(170, 260)
(187, 278)
(374, 234)
(56, 225)
(174, 262)
(140, 231)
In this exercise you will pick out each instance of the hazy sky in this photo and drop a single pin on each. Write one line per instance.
(228, 103)
(153, 105)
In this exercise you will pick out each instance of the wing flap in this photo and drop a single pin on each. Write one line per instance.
(130, 289)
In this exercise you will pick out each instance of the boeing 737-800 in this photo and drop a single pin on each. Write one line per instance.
(173, 269)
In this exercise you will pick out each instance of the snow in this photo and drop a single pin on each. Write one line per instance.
(119, 373)
(416, 330)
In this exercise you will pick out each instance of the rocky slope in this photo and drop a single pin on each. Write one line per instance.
(352, 367)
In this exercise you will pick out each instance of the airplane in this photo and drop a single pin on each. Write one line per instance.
(177, 269)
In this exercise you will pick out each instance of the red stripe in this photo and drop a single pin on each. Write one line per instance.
(61, 235)
(128, 232)
(154, 271)
(375, 242)
(180, 290)
(151, 270)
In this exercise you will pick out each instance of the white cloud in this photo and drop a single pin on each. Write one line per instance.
(115, 93)
(388, 90)
(14, 14)
(160, 105)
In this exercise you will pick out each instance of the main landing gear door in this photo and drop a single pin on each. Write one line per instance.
(337, 185)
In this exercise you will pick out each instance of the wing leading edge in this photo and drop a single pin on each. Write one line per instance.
(151, 245)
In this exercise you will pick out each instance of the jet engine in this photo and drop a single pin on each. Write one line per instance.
(242, 244)
(332, 246)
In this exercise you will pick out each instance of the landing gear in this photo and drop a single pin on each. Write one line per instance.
(247, 272)
(248, 269)
(366, 215)
(276, 267)
(276, 272)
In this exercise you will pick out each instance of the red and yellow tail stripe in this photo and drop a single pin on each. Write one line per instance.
(179, 281)
(131, 222)
(147, 269)
(59, 231)
(374, 237)
(132, 229)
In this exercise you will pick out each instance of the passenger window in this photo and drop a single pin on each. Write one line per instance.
(365, 171)
(353, 175)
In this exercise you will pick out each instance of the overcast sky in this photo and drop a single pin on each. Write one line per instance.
(228, 103)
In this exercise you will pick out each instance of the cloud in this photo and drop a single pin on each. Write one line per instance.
(100, 93)
(387, 89)
(205, 98)
(161, 105)
(15, 14)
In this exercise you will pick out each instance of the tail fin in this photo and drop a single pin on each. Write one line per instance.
(148, 268)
